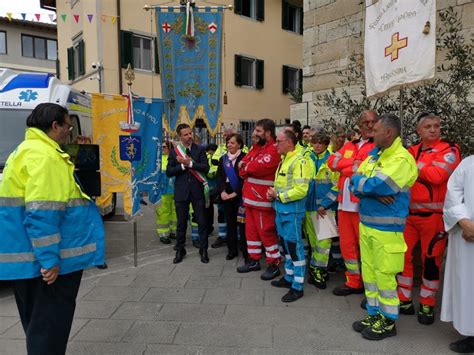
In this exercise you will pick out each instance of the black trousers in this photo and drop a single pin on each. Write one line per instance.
(182, 216)
(231, 208)
(46, 312)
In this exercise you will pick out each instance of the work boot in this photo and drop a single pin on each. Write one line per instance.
(292, 295)
(345, 290)
(252, 265)
(318, 277)
(363, 303)
(282, 283)
(382, 328)
(406, 307)
(426, 314)
(368, 321)
(196, 243)
(270, 273)
(218, 243)
(463, 346)
(336, 267)
(165, 240)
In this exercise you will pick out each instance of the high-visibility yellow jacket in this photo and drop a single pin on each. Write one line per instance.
(291, 183)
(46, 219)
(389, 172)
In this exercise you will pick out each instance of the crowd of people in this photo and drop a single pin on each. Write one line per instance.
(360, 194)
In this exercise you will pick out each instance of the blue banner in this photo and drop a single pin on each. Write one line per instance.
(146, 142)
(191, 65)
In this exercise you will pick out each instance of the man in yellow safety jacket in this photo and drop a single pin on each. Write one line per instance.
(383, 183)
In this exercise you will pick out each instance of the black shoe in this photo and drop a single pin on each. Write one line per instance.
(173, 236)
(336, 267)
(165, 240)
(318, 277)
(363, 303)
(382, 328)
(367, 322)
(231, 256)
(175, 248)
(204, 256)
(345, 290)
(426, 314)
(292, 295)
(281, 283)
(252, 265)
(463, 346)
(180, 253)
(406, 307)
(219, 243)
(196, 243)
(270, 273)
(102, 267)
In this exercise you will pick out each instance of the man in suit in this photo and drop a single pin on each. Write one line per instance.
(188, 163)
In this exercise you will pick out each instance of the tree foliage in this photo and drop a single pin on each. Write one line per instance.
(449, 94)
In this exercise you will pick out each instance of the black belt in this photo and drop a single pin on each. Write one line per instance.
(423, 214)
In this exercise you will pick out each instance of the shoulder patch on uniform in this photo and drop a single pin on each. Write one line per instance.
(348, 153)
(267, 158)
(449, 158)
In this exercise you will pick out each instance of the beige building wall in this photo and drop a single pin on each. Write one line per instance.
(13, 59)
(333, 30)
(263, 40)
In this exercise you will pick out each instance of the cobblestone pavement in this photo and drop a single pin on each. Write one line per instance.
(193, 308)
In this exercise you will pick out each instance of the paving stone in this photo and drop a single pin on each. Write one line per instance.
(191, 313)
(116, 280)
(174, 295)
(213, 282)
(231, 270)
(116, 293)
(8, 307)
(95, 309)
(147, 280)
(255, 283)
(100, 348)
(223, 334)
(157, 268)
(17, 332)
(160, 349)
(104, 330)
(151, 332)
(7, 322)
(312, 298)
(138, 311)
(12, 347)
(200, 270)
(224, 296)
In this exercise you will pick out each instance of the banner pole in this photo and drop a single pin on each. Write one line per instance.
(135, 244)
(401, 112)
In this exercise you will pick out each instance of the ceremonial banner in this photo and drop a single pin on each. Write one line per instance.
(400, 43)
(130, 160)
(190, 44)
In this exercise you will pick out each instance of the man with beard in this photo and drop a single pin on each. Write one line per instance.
(258, 169)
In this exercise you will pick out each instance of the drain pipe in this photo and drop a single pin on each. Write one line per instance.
(119, 47)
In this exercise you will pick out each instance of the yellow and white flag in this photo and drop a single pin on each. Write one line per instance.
(400, 45)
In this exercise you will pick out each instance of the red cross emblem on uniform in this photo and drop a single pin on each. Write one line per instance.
(166, 27)
(395, 46)
(212, 27)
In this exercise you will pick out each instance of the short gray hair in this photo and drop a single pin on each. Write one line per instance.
(391, 121)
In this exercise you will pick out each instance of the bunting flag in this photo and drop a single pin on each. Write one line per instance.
(63, 17)
(130, 161)
(23, 16)
(191, 64)
(89, 17)
(400, 43)
(114, 19)
(38, 17)
(76, 18)
(52, 17)
(9, 15)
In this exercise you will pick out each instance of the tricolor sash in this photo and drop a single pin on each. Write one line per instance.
(230, 172)
(181, 152)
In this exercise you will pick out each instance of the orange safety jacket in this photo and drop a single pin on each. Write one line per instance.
(260, 165)
(435, 165)
(347, 160)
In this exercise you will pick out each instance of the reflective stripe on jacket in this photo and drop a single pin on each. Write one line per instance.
(291, 183)
(435, 165)
(322, 191)
(389, 172)
(166, 183)
(46, 219)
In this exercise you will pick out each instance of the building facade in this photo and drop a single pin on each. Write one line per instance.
(263, 52)
(333, 31)
(28, 46)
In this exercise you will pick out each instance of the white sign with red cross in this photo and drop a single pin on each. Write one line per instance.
(166, 27)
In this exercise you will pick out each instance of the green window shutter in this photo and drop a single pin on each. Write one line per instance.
(238, 70)
(286, 89)
(285, 11)
(126, 53)
(70, 63)
(260, 74)
(157, 57)
(260, 10)
(81, 49)
(238, 7)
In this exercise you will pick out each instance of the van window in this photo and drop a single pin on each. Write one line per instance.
(12, 131)
(76, 130)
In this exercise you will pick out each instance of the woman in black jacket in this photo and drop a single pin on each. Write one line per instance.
(229, 186)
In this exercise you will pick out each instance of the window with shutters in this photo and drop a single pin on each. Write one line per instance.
(292, 16)
(76, 60)
(292, 79)
(38, 47)
(3, 42)
(254, 9)
(249, 72)
(139, 51)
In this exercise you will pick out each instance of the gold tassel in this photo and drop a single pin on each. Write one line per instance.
(426, 29)
(225, 98)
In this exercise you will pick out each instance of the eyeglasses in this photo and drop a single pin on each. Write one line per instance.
(71, 127)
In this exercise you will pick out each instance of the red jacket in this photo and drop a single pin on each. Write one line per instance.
(435, 165)
(261, 163)
(347, 160)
